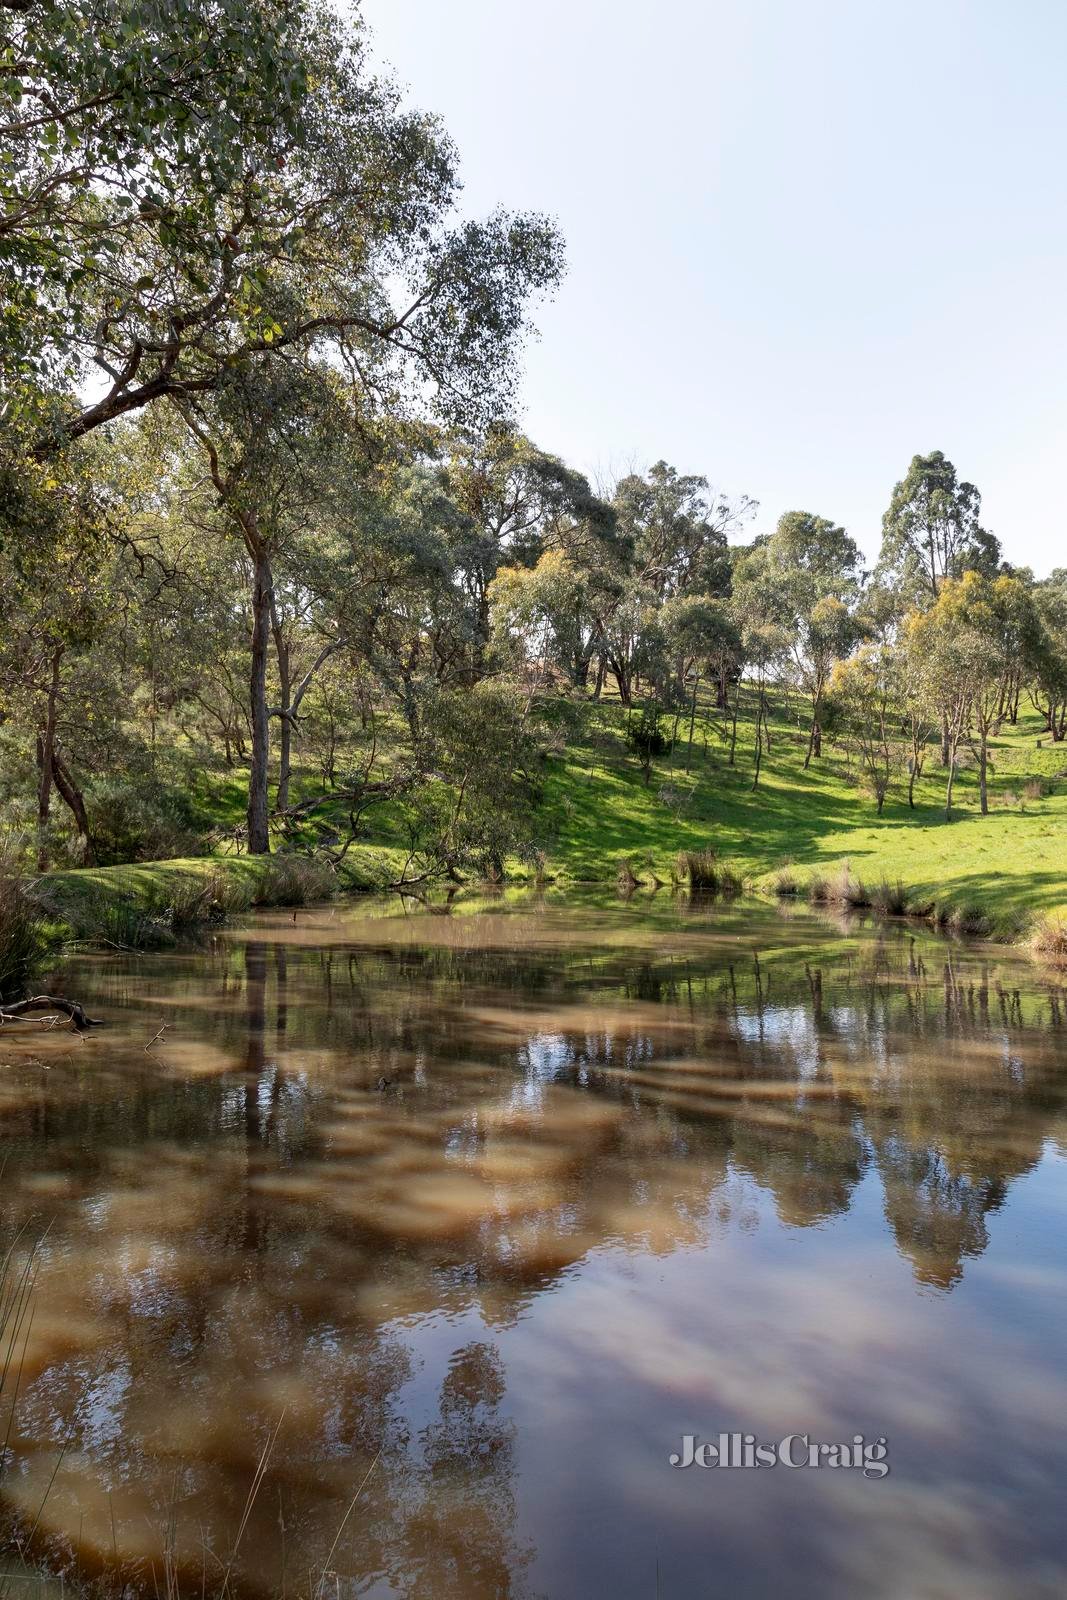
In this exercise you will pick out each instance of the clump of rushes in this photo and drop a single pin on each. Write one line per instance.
(709, 875)
(625, 877)
(786, 882)
(890, 899)
(1049, 939)
(294, 881)
(850, 891)
(701, 868)
(962, 919)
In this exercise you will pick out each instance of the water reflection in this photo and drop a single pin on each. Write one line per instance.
(382, 1168)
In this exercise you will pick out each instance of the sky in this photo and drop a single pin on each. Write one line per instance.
(806, 239)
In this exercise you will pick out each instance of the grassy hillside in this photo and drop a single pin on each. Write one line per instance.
(597, 813)
(1012, 863)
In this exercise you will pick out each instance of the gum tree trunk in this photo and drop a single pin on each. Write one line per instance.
(258, 829)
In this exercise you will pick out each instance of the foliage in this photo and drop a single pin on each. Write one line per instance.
(646, 738)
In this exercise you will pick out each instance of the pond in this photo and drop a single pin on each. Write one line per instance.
(394, 1250)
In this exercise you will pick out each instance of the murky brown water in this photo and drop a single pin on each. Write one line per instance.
(637, 1172)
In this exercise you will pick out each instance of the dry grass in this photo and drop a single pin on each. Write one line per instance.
(1049, 939)
(890, 899)
(626, 878)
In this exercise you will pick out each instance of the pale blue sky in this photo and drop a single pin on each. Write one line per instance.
(806, 238)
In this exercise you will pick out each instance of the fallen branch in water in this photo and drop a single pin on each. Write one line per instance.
(49, 1002)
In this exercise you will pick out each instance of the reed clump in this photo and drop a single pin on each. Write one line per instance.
(1049, 939)
(890, 899)
(287, 880)
(840, 888)
(785, 883)
(625, 877)
(708, 874)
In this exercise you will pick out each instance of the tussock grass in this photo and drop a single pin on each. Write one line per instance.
(1049, 939)
(625, 877)
(701, 868)
(890, 899)
(707, 874)
(294, 881)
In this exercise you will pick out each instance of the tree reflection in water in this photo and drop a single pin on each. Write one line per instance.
(246, 1232)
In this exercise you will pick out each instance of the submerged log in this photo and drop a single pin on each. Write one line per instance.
(50, 1002)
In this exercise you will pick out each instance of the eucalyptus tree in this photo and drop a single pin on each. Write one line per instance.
(123, 120)
(328, 232)
(702, 631)
(862, 709)
(548, 614)
(514, 502)
(1047, 661)
(965, 646)
(932, 532)
(806, 577)
(673, 533)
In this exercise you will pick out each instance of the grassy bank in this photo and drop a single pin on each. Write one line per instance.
(1008, 868)
(149, 902)
(810, 832)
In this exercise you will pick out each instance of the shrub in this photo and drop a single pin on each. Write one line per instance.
(645, 736)
(785, 882)
(143, 820)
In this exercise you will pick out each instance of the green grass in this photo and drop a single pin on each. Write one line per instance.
(1011, 864)
(1001, 873)
(148, 902)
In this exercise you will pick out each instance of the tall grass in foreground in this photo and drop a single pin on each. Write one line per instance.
(18, 1273)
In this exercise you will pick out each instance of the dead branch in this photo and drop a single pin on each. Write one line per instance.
(53, 1003)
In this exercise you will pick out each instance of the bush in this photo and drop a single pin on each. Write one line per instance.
(647, 739)
(143, 820)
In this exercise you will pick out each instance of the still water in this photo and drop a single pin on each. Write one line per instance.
(466, 1216)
